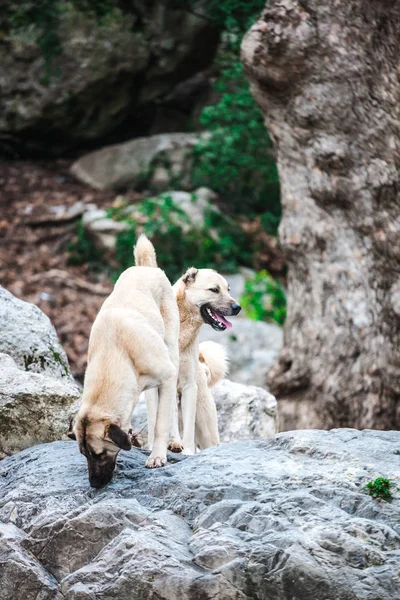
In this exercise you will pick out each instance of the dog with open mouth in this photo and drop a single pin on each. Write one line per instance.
(203, 297)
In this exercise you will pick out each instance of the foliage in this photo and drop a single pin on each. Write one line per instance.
(82, 250)
(237, 160)
(218, 244)
(264, 299)
(380, 489)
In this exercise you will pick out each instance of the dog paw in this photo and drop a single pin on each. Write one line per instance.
(153, 462)
(188, 451)
(175, 446)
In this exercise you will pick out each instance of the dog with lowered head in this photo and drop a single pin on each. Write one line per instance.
(133, 346)
(202, 296)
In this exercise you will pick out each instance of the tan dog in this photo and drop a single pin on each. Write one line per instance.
(133, 346)
(202, 296)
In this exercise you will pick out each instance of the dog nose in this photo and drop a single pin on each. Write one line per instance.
(236, 308)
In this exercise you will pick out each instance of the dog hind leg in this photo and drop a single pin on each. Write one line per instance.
(151, 409)
(166, 395)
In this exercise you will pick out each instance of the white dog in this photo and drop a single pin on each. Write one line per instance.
(202, 296)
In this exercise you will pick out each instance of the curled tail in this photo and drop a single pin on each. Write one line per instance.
(214, 360)
(144, 252)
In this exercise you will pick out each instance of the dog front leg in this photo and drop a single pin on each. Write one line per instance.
(189, 403)
(175, 442)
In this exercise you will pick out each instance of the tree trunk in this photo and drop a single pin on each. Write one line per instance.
(326, 76)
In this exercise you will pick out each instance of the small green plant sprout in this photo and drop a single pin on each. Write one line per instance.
(380, 489)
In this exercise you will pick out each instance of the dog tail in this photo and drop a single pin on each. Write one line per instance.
(215, 360)
(144, 252)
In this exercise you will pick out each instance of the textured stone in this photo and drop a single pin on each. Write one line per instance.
(104, 75)
(28, 336)
(326, 76)
(134, 162)
(34, 407)
(283, 519)
(245, 412)
(252, 348)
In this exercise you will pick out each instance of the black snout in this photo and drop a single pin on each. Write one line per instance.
(101, 473)
(100, 481)
(236, 308)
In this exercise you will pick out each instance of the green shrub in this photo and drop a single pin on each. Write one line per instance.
(264, 299)
(237, 160)
(380, 489)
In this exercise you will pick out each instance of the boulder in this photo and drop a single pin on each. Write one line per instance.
(285, 518)
(245, 412)
(157, 161)
(74, 74)
(28, 336)
(252, 348)
(37, 391)
(34, 407)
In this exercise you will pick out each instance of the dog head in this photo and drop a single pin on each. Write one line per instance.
(100, 440)
(208, 292)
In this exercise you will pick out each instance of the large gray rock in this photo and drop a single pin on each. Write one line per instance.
(37, 391)
(28, 336)
(252, 348)
(245, 412)
(158, 160)
(34, 407)
(280, 519)
(69, 77)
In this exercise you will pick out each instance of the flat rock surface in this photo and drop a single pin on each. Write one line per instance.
(279, 519)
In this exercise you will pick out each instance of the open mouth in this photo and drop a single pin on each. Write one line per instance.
(211, 317)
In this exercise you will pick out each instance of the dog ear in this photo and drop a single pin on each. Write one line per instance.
(119, 437)
(70, 432)
(190, 275)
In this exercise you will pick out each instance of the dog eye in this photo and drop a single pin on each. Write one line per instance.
(215, 290)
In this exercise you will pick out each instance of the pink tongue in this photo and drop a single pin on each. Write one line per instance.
(221, 319)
